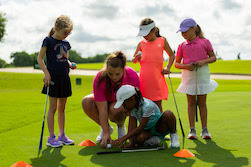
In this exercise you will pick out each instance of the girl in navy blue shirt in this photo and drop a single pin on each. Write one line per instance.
(56, 49)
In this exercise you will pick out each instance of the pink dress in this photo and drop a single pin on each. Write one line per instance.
(152, 82)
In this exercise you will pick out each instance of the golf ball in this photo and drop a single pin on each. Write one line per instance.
(73, 64)
(109, 146)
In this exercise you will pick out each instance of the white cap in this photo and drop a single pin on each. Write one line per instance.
(124, 92)
(144, 30)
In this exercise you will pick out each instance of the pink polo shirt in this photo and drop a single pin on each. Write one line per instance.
(130, 77)
(193, 51)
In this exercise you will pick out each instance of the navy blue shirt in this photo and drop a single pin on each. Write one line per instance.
(56, 56)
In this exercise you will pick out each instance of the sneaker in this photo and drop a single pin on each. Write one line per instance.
(205, 134)
(152, 141)
(121, 131)
(101, 134)
(65, 140)
(53, 142)
(192, 134)
(174, 140)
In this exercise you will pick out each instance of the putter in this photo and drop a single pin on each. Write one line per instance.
(133, 150)
(196, 92)
(181, 127)
(42, 132)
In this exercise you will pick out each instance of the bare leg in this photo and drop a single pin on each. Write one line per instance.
(51, 114)
(167, 122)
(202, 102)
(142, 137)
(117, 116)
(61, 115)
(191, 102)
(159, 104)
(90, 108)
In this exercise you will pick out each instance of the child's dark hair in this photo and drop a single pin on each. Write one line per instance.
(199, 32)
(116, 59)
(138, 96)
(62, 22)
(147, 21)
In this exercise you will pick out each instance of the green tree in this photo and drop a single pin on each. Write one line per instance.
(21, 59)
(74, 56)
(2, 63)
(2, 26)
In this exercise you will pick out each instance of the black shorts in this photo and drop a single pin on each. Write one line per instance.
(61, 87)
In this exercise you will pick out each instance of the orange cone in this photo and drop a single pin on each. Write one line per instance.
(184, 153)
(87, 143)
(21, 164)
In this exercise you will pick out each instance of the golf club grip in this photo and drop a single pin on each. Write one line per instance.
(109, 152)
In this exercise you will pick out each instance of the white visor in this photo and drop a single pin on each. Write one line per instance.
(144, 30)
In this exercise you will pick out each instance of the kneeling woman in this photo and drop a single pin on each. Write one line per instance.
(153, 126)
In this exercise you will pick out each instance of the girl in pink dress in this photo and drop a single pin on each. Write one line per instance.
(152, 81)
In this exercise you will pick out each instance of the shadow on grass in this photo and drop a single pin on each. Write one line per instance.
(51, 157)
(152, 158)
(210, 152)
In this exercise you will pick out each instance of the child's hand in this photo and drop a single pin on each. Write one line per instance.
(73, 66)
(47, 79)
(117, 142)
(191, 66)
(165, 71)
(200, 63)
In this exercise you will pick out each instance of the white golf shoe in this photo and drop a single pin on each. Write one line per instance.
(101, 134)
(152, 141)
(121, 131)
(205, 134)
(174, 140)
(192, 134)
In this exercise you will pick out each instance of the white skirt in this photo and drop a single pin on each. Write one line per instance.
(197, 82)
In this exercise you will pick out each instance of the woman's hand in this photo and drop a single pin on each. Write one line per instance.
(117, 142)
(106, 139)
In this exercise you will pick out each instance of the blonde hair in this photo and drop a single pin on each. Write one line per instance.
(62, 22)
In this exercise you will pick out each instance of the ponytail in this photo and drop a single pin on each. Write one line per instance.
(157, 32)
(51, 32)
(199, 32)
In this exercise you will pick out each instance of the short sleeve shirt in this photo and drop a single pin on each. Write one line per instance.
(147, 108)
(130, 77)
(56, 56)
(193, 51)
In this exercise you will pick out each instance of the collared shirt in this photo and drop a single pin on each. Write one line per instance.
(130, 77)
(193, 51)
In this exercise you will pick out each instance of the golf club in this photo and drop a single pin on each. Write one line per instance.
(133, 150)
(42, 132)
(196, 92)
(181, 127)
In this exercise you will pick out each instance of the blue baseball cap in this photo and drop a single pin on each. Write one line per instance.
(186, 24)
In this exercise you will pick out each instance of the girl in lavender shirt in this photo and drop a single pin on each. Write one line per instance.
(196, 52)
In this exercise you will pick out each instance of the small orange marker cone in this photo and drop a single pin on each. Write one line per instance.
(21, 164)
(184, 153)
(87, 143)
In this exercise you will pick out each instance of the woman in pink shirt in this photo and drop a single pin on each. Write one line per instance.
(196, 52)
(99, 105)
(152, 81)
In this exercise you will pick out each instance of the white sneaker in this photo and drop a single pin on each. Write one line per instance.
(192, 134)
(205, 134)
(152, 141)
(174, 140)
(101, 134)
(121, 131)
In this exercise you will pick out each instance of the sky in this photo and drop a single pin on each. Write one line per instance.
(105, 26)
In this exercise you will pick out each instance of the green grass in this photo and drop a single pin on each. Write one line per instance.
(220, 66)
(22, 107)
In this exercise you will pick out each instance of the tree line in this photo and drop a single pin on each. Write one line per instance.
(23, 59)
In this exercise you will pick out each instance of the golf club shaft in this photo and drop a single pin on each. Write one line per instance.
(181, 127)
(42, 132)
(196, 96)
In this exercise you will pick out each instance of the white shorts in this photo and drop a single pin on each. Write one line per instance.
(197, 82)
